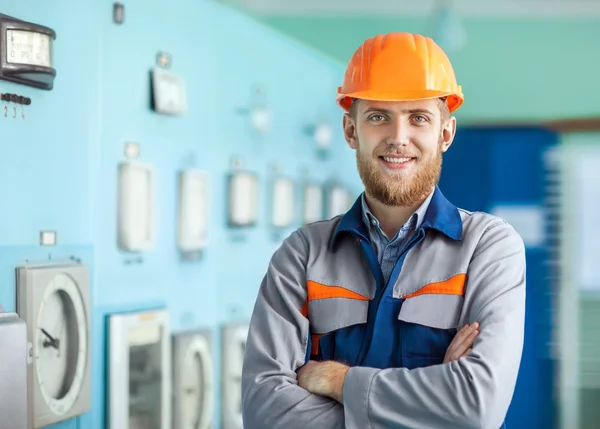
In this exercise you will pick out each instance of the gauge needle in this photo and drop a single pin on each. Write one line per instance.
(54, 342)
(62, 325)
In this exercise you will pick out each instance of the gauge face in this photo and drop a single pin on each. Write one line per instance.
(61, 344)
(28, 47)
(145, 379)
(192, 387)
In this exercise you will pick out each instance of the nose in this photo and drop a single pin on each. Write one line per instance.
(399, 134)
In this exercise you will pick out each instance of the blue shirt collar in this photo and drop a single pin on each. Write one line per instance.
(441, 215)
(414, 222)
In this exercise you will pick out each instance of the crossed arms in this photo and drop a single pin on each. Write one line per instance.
(472, 392)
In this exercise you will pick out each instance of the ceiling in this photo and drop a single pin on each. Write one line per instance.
(407, 8)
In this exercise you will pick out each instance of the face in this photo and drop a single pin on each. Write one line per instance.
(399, 147)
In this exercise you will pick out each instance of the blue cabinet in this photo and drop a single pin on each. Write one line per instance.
(489, 168)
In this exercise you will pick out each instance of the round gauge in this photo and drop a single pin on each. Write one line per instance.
(61, 344)
(238, 354)
(196, 393)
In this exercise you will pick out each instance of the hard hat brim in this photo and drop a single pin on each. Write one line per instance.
(455, 99)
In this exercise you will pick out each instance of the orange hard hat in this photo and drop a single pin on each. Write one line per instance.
(399, 67)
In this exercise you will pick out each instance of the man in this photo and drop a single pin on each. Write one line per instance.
(358, 320)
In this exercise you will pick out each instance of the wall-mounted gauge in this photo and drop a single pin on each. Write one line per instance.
(136, 218)
(339, 200)
(193, 210)
(53, 299)
(168, 93)
(192, 381)
(243, 199)
(234, 348)
(139, 388)
(312, 210)
(282, 202)
(26, 53)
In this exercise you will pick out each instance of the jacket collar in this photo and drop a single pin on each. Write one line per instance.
(441, 215)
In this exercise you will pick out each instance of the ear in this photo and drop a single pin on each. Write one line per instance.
(448, 132)
(350, 131)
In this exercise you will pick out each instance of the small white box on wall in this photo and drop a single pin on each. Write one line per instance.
(193, 208)
(136, 218)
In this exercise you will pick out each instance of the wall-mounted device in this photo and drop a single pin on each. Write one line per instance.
(140, 371)
(234, 347)
(243, 199)
(260, 117)
(282, 202)
(193, 207)
(258, 113)
(13, 372)
(193, 396)
(168, 92)
(26, 53)
(136, 206)
(118, 13)
(338, 200)
(323, 136)
(163, 59)
(54, 301)
(15, 98)
(312, 209)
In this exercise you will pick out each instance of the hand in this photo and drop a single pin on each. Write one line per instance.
(462, 342)
(323, 378)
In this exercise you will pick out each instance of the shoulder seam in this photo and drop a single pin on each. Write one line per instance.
(494, 225)
(303, 239)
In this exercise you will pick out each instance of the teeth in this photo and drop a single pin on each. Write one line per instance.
(396, 160)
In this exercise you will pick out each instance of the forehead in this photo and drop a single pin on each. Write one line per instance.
(400, 107)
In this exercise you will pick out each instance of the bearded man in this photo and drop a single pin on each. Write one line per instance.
(406, 311)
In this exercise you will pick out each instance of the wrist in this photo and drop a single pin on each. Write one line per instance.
(336, 377)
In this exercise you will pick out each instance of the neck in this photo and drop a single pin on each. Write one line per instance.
(391, 218)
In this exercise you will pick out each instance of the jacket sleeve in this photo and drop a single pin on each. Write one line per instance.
(277, 344)
(472, 392)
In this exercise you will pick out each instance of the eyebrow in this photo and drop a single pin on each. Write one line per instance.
(389, 112)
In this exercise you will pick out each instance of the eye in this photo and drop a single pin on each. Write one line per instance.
(420, 119)
(376, 118)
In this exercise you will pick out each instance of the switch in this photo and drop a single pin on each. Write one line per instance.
(14, 98)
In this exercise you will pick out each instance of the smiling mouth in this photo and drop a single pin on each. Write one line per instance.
(396, 159)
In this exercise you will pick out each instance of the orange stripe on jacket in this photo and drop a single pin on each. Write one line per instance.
(320, 291)
(453, 286)
(304, 309)
(314, 350)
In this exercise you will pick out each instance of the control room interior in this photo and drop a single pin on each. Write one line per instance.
(166, 149)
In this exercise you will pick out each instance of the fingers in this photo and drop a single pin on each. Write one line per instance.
(462, 342)
(465, 337)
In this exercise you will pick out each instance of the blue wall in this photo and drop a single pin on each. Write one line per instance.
(58, 166)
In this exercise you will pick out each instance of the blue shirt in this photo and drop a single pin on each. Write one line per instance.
(387, 250)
